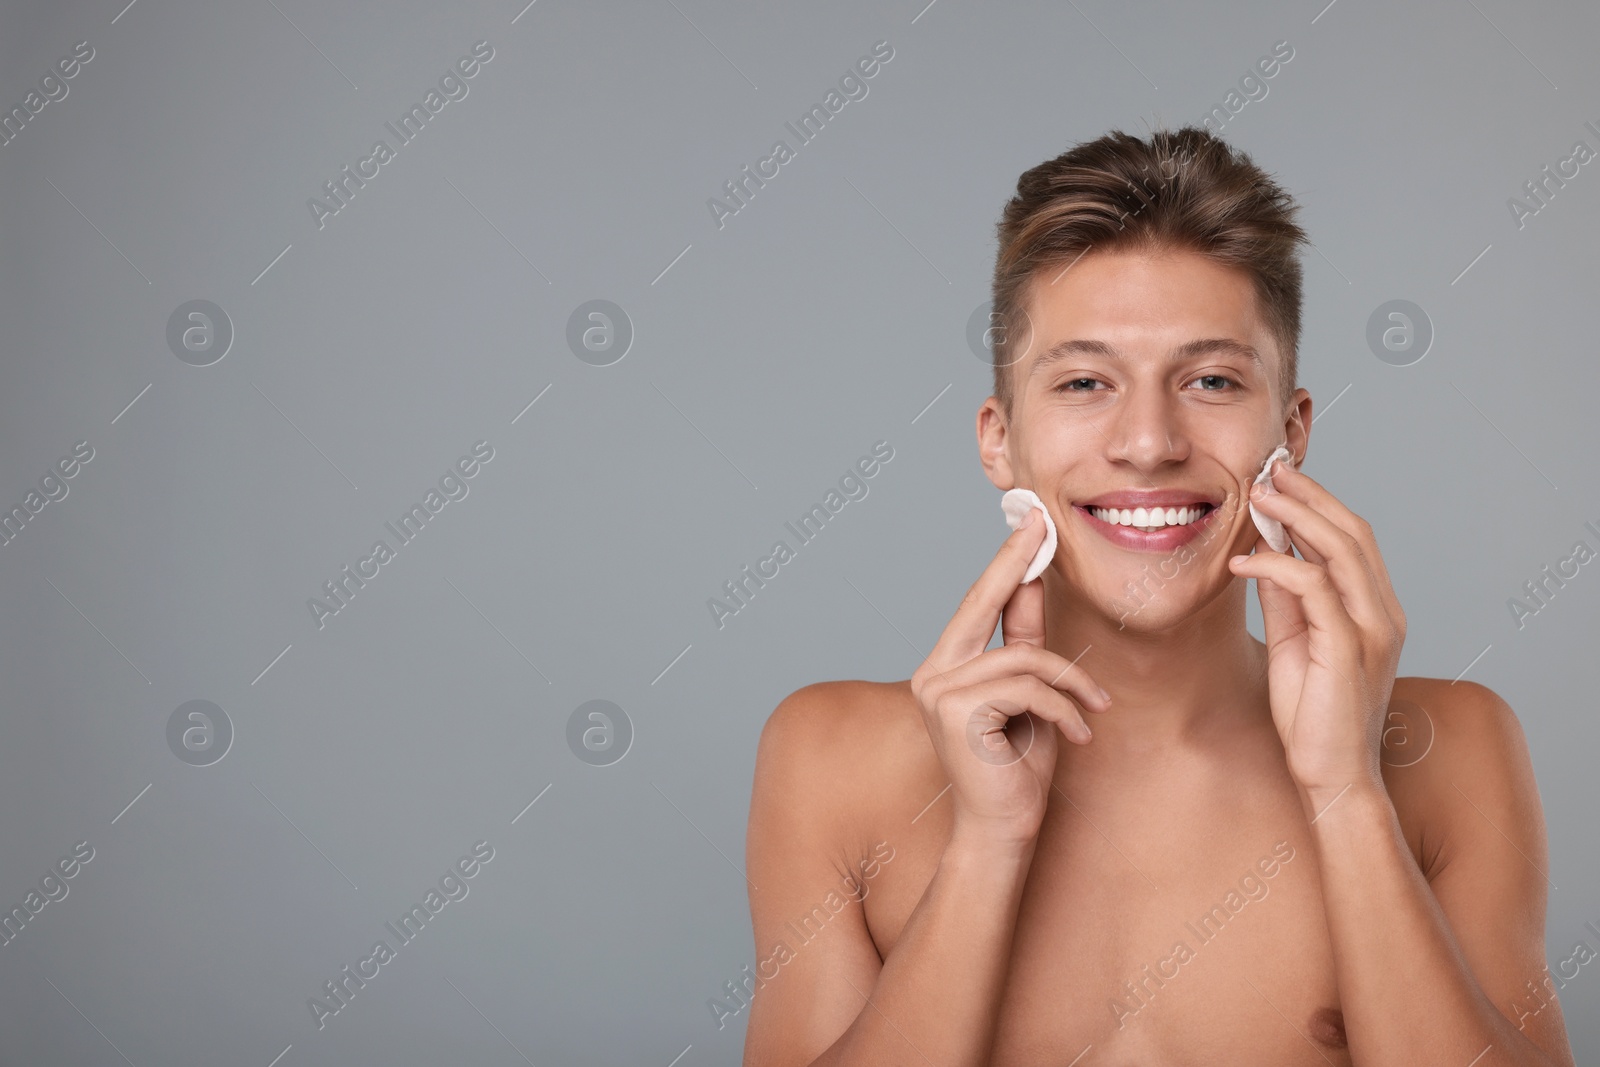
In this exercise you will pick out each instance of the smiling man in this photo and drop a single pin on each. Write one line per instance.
(1244, 862)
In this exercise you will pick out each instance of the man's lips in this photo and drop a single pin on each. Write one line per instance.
(1163, 539)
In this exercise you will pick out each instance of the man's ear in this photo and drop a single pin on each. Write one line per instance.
(1297, 426)
(993, 431)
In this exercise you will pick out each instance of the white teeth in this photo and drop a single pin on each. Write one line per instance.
(1147, 519)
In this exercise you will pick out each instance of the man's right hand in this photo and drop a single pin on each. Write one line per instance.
(992, 713)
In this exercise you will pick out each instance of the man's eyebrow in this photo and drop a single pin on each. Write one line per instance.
(1188, 350)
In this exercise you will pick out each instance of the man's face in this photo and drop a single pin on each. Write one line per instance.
(1134, 386)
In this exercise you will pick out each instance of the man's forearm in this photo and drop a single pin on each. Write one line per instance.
(1407, 994)
(937, 998)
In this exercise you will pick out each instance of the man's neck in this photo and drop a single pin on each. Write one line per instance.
(1190, 685)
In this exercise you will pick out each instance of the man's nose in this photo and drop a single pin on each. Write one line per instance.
(1146, 429)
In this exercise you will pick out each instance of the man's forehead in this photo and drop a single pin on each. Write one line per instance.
(1129, 284)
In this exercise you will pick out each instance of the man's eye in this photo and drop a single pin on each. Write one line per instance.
(1071, 386)
(1219, 382)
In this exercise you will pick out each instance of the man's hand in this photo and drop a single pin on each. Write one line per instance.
(992, 715)
(1334, 629)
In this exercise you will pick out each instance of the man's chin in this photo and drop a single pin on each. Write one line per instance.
(1145, 607)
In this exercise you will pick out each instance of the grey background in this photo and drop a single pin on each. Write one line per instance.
(825, 316)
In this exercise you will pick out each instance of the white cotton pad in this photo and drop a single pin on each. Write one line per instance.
(1270, 528)
(1016, 504)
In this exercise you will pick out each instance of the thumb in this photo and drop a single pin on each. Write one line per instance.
(1022, 619)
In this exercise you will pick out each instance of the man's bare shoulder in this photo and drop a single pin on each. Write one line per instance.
(1452, 751)
(854, 741)
(848, 724)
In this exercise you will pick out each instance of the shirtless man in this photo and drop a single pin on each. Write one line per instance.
(1246, 863)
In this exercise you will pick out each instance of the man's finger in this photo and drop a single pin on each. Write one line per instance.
(1022, 619)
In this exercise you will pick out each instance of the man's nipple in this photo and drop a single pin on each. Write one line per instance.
(1327, 1027)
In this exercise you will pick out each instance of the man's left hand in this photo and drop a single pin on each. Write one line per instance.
(1334, 630)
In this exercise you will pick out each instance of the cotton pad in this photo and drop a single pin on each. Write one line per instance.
(1271, 528)
(1016, 504)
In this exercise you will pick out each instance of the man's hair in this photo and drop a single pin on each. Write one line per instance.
(1183, 190)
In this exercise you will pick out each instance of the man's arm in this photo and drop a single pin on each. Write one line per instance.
(936, 999)
(1435, 973)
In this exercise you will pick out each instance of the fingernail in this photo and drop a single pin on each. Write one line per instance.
(1105, 696)
(1027, 521)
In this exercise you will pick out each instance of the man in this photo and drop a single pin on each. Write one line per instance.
(1266, 853)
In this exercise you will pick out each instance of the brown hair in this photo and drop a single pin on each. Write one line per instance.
(1180, 190)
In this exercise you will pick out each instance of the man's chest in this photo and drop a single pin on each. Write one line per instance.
(1148, 934)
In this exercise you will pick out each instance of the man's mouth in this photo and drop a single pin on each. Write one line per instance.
(1148, 519)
